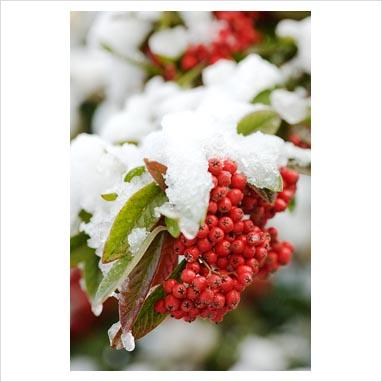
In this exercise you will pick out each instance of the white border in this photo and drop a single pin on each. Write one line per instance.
(346, 226)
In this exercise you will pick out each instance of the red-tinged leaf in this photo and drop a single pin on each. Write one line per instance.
(148, 319)
(267, 195)
(157, 171)
(168, 260)
(135, 288)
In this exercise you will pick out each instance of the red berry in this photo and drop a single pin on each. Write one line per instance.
(236, 261)
(215, 181)
(238, 181)
(212, 221)
(224, 205)
(211, 257)
(249, 204)
(200, 283)
(232, 299)
(227, 283)
(261, 254)
(193, 267)
(206, 297)
(168, 285)
(192, 294)
(187, 276)
(253, 238)
(215, 166)
(186, 305)
(254, 264)
(191, 254)
(243, 269)
(236, 214)
(189, 242)
(160, 307)
(203, 231)
(238, 285)
(237, 246)
(204, 245)
(230, 166)
(171, 303)
(216, 234)
(289, 176)
(235, 196)
(223, 248)
(248, 226)
(212, 207)
(218, 301)
(177, 314)
(280, 205)
(226, 224)
(284, 256)
(179, 290)
(219, 193)
(222, 262)
(245, 278)
(238, 227)
(224, 178)
(214, 281)
(249, 252)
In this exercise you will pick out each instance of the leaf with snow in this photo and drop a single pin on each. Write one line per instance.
(136, 286)
(92, 275)
(172, 226)
(138, 212)
(266, 121)
(122, 268)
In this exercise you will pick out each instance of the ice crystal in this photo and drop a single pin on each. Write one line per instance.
(128, 341)
(136, 238)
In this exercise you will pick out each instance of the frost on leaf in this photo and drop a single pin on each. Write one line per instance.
(136, 238)
(128, 341)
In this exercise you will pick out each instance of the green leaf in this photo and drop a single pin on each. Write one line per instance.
(85, 216)
(292, 205)
(109, 197)
(188, 78)
(263, 97)
(135, 288)
(172, 226)
(137, 171)
(148, 319)
(138, 212)
(79, 251)
(122, 268)
(266, 121)
(92, 275)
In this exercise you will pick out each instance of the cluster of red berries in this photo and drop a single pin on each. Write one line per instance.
(229, 251)
(238, 34)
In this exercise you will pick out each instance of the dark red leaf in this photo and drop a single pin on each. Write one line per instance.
(168, 260)
(156, 170)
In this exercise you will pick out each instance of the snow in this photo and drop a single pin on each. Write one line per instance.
(291, 106)
(170, 42)
(300, 32)
(249, 77)
(113, 330)
(97, 309)
(128, 341)
(187, 178)
(136, 238)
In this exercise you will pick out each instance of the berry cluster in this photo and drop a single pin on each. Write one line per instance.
(298, 141)
(230, 249)
(238, 34)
